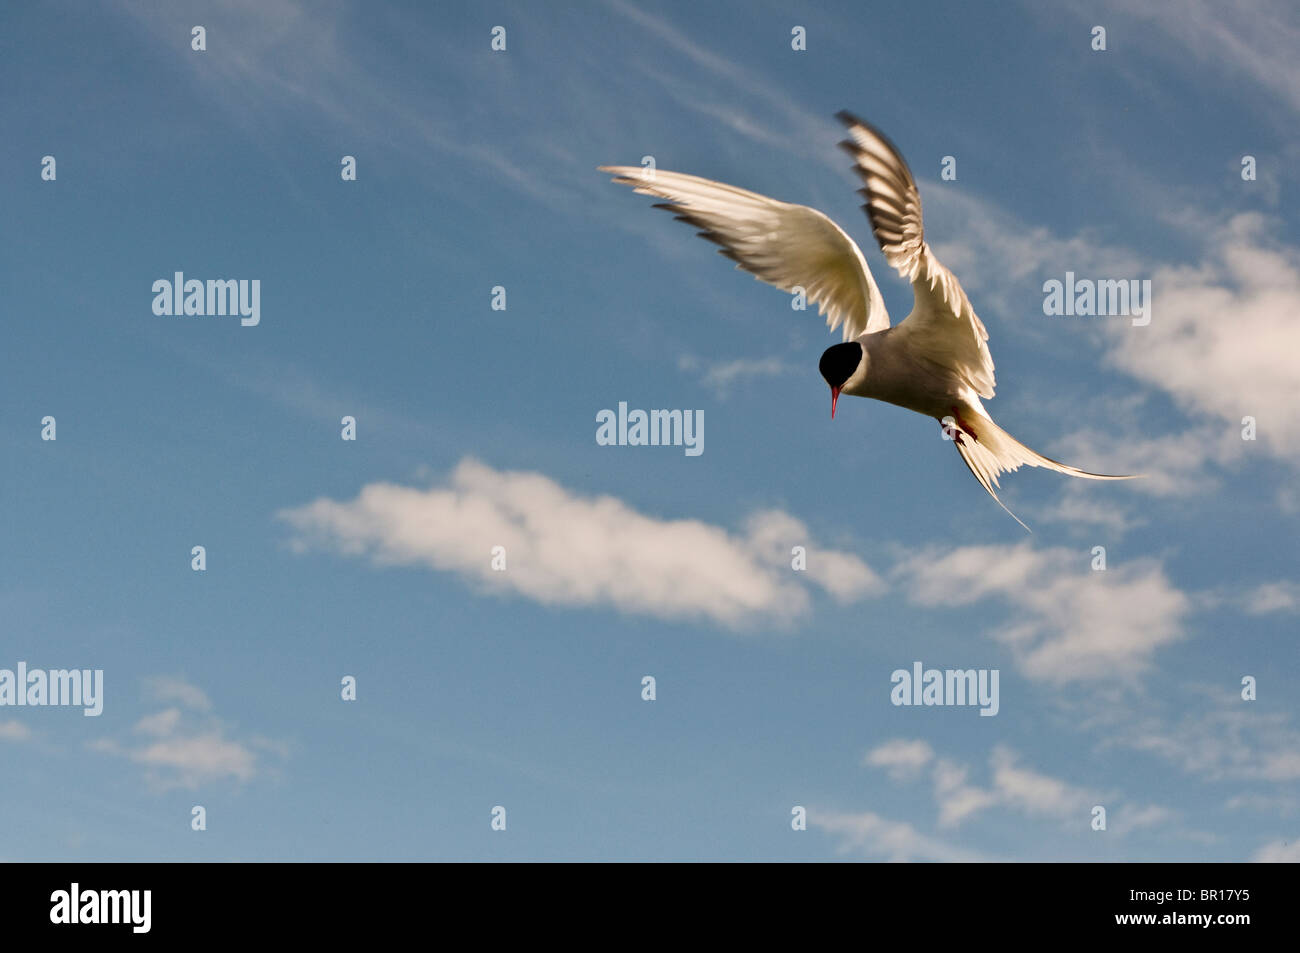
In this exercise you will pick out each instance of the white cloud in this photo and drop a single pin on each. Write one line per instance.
(171, 688)
(722, 376)
(1224, 337)
(186, 748)
(161, 723)
(1034, 793)
(1002, 259)
(900, 757)
(1069, 623)
(1279, 852)
(1275, 804)
(198, 759)
(1220, 343)
(1012, 785)
(1125, 819)
(958, 800)
(895, 841)
(1217, 737)
(566, 549)
(1281, 766)
(1088, 513)
(14, 731)
(1280, 596)
(1171, 464)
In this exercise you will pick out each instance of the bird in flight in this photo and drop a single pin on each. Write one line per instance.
(936, 362)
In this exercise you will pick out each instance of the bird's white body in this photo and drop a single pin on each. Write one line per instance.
(936, 362)
(891, 371)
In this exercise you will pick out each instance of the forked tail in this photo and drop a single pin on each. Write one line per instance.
(989, 451)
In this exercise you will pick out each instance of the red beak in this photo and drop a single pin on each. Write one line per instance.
(835, 396)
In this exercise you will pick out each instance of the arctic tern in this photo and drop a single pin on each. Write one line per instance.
(936, 362)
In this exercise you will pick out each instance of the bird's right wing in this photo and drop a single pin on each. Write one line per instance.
(942, 326)
(786, 245)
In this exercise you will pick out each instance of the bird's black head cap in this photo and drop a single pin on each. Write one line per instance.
(839, 362)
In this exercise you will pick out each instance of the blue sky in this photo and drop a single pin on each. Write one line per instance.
(476, 428)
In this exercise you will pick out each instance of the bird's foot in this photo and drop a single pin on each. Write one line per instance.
(949, 427)
(964, 426)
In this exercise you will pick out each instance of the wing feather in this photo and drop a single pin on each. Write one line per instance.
(942, 326)
(780, 243)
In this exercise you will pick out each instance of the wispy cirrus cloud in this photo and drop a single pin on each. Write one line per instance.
(1214, 736)
(563, 548)
(296, 58)
(1253, 41)
(733, 95)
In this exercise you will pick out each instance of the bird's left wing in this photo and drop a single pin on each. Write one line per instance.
(943, 326)
(783, 244)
